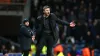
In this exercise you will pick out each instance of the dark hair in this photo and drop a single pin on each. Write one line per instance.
(45, 7)
(25, 20)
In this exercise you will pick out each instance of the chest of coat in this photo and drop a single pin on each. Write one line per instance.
(50, 21)
(29, 30)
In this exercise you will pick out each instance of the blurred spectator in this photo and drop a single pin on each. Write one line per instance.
(36, 3)
(68, 4)
(90, 14)
(88, 50)
(80, 31)
(85, 51)
(97, 26)
(92, 28)
(44, 50)
(65, 47)
(79, 52)
(75, 6)
(6, 54)
(67, 12)
(73, 51)
(89, 38)
(91, 50)
(4, 50)
(82, 15)
(12, 49)
(82, 4)
(76, 9)
(57, 10)
(62, 11)
(71, 17)
(97, 42)
(58, 48)
(90, 5)
(62, 32)
(33, 48)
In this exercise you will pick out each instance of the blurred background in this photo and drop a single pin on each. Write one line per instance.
(85, 13)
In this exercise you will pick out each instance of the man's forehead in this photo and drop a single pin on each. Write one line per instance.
(47, 9)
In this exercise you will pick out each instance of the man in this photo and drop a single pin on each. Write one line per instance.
(46, 32)
(26, 37)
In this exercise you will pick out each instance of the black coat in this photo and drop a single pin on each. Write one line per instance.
(25, 37)
(53, 20)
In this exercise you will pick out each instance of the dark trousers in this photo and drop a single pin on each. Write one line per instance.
(46, 39)
(25, 52)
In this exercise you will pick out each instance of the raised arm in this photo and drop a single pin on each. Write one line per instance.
(71, 24)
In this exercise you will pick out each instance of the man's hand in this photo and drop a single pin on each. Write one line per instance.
(33, 38)
(72, 24)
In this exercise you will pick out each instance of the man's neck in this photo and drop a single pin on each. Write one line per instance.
(45, 16)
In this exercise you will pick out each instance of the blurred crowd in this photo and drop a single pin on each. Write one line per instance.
(8, 47)
(84, 36)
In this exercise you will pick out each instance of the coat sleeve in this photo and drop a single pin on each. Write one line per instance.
(37, 24)
(25, 32)
(37, 27)
(60, 21)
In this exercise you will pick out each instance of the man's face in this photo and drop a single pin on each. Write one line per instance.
(47, 11)
(27, 23)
